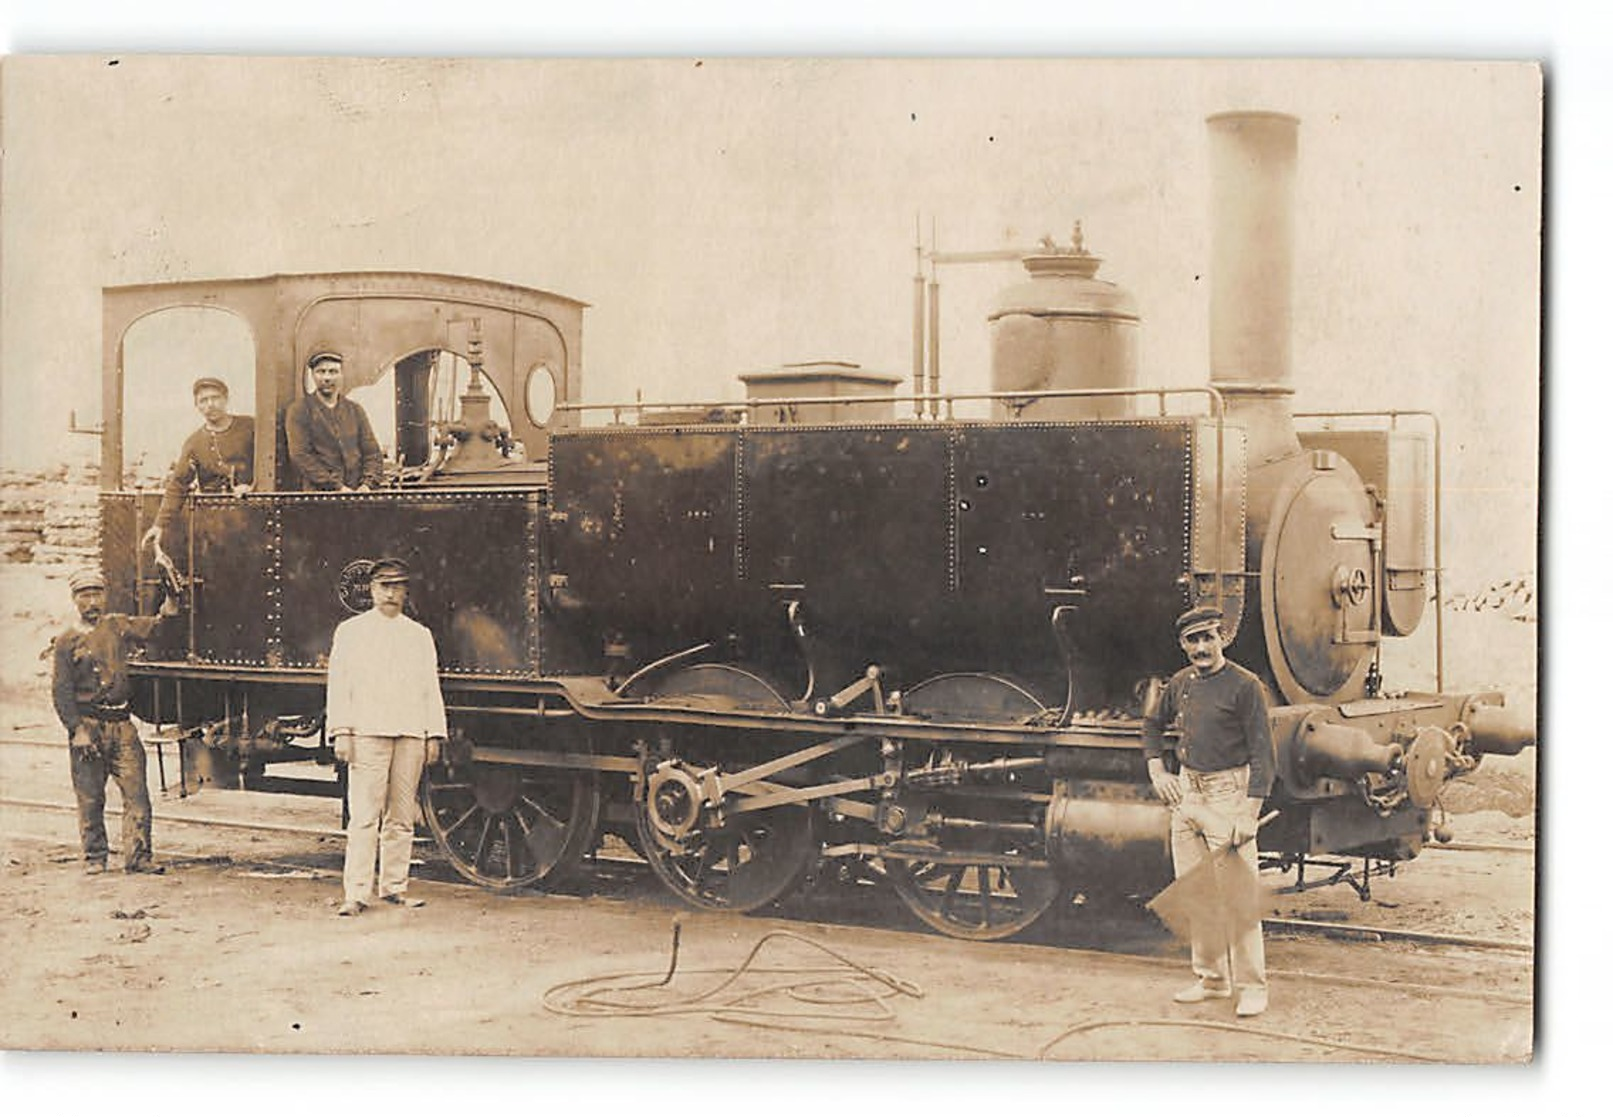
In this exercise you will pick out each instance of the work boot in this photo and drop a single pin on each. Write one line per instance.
(399, 899)
(350, 907)
(94, 868)
(1201, 991)
(1252, 1001)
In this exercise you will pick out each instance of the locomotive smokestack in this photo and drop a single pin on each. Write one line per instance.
(1252, 164)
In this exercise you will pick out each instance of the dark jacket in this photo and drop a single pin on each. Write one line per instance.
(91, 668)
(332, 446)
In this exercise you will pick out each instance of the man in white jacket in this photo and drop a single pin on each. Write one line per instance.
(384, 713)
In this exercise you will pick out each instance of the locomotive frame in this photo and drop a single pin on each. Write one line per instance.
(917, 649)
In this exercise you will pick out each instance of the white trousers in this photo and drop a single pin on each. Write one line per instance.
(1202, 827)
(383, 780)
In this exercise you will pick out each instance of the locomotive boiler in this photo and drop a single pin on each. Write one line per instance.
(757, 637)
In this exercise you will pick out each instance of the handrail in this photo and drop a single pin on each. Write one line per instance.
(1218, 405)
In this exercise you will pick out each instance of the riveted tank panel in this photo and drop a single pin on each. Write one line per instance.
(924, 548)
(472, 555)
(643, 543)
(1100, 508)
(234, 597)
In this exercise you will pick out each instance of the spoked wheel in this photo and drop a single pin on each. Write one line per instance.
(989, 880)
(748, 861)
(506, 826)
(978, 901)
(723, 860)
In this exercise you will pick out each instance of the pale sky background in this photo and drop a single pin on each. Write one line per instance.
(730, 215)
(254, 169)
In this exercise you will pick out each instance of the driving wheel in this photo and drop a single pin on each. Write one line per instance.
(989, 878)
(506, 826)
(719, 856)
(738, 864)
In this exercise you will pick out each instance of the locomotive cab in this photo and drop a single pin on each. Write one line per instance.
(460, 379)
(420, 350)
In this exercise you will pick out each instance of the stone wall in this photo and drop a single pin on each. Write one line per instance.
(50, 516)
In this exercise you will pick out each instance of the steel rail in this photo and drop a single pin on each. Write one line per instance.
(1482, 847)
(1334, 930)
(186, 820)
(1329, 930)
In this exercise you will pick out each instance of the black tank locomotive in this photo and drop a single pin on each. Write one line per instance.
(758, 637)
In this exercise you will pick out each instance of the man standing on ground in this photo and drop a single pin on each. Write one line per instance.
(90, 687)
(328, 435)
(1227, 766)
(215, 459)
(384, 713)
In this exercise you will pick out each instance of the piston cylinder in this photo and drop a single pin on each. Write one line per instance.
(1109, 836)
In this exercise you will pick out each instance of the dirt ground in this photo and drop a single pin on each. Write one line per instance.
(236, 949)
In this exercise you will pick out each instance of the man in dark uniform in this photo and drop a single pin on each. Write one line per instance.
(1227, 767)
(215, 459)
(328, 435)
(90, 686)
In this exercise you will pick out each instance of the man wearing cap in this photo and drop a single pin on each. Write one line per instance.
(1227, 765)
(328, 435)
(384, 713)
(90, 688)
(215, 459)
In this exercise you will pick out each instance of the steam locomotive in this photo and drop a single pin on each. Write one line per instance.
(759, 637)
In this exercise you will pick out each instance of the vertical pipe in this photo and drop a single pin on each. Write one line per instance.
(935, 345)
(156, 714)
(1439, 567)
(1253, 157)
(139, 551)
(179, 720)
(190, 579)
(918, 321)
(935, 329)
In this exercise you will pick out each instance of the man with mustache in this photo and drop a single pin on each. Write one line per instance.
(1227, 766)
(90, 687)
(329, 436)
(384, 714)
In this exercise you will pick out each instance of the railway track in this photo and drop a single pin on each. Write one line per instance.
(621, 880)
(623, 872)
(1519, 848)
